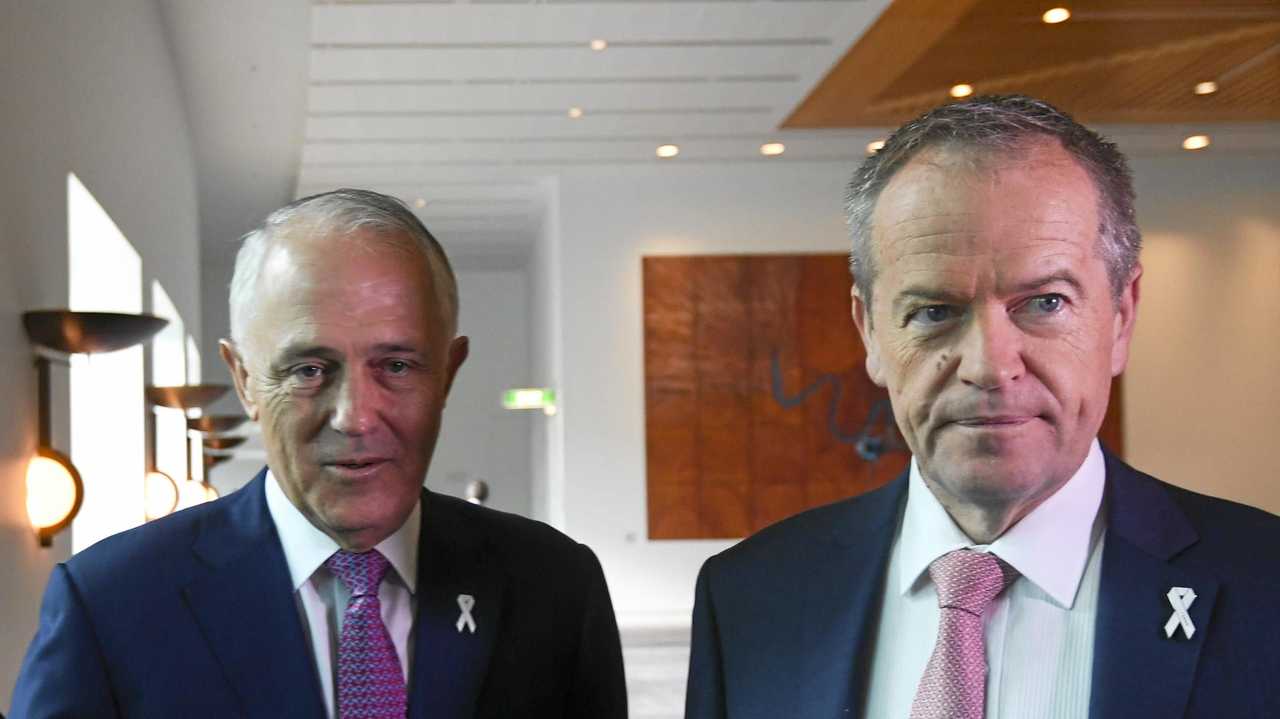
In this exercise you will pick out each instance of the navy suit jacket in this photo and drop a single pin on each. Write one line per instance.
(194, 616)
(784, 622)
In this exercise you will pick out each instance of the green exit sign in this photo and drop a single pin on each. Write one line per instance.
(530, 398)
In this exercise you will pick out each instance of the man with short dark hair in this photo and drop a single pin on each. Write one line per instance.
(333, 584)
(1017, 569)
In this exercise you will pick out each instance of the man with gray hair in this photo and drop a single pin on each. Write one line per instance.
(333, 584)
(1018, 568)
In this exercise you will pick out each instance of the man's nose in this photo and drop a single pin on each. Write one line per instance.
(991, 350)
(355, 407)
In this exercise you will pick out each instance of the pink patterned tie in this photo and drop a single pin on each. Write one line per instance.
(370, 683)
(954, 685)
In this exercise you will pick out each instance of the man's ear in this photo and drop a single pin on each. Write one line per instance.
(239, 375)
(862, 319)
(1125, 318)
(459, 348)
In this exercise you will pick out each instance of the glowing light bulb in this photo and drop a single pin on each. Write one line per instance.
(1196, 142)
(52, 492)
(161, 495)
(1053, 16)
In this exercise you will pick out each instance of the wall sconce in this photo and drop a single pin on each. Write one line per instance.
(216, 423)
(160, 491)
(54, 488)
(187, 398)
(217, 447)
(211, 461)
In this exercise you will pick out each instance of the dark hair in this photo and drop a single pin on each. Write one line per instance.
(1002, 123)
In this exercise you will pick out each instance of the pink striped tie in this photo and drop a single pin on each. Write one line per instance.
(954, 685)
(370, 683)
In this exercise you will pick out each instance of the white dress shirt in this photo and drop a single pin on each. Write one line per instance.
(322, 598)
(1039, 632)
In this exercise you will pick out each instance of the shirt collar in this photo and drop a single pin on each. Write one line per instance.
(306, 548)
(1050, 546)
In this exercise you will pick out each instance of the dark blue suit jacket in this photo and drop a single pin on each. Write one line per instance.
(784, 622)
(194, 616)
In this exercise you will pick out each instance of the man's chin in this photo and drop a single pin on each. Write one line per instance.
(356, 513)
(987, 477)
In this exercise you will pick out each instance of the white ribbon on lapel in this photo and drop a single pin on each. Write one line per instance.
(1180, 598)
(465, 620)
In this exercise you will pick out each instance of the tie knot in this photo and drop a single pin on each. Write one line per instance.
(969, 580)
(362, 572)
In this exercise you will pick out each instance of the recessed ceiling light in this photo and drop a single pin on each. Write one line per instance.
(1053, 16)
(772, 149)
(875, 146)
(1206, 88)
(419, 203)
(961, 90)
(668, 151)
(575, 112)
(599, 44)
(1196, 142)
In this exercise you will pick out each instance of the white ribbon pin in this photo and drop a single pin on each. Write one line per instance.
(465, 620)
(1180, 598)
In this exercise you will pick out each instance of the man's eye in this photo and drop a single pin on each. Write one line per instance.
(308, 372)
(931, 315)
(1047, 304)
(398, 367)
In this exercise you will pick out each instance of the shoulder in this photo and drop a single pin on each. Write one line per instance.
(523, 544)
(1236, 535)
(158, 551)
(780, 548)
(1234, 538)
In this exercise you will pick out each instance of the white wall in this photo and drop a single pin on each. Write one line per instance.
(1203, 389)
(546, 345)
(89, 88)
(480, 439)
(1207, 329)
(609, 219)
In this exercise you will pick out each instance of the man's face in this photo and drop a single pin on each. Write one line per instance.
(346, 364)
(993, 325)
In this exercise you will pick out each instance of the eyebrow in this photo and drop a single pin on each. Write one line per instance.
(386, 347)
(941, 296)
(928, 294)
(1063, 276)
(295, 353)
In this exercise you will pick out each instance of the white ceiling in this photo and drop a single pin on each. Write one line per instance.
(464, 105)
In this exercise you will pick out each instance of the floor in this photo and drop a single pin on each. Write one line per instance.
(657, 662)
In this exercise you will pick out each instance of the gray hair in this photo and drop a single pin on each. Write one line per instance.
(1003, 123)
(340, 212)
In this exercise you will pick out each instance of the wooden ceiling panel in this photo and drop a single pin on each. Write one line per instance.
(1114, 61)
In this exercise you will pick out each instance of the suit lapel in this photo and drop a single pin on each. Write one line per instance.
(840, 609)
(1137, 669)
(245, 608)
(450, 661)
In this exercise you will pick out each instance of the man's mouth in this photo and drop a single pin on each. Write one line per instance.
(356, 464)
(995, 421)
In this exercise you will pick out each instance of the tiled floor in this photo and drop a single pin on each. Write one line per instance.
(657, 662)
